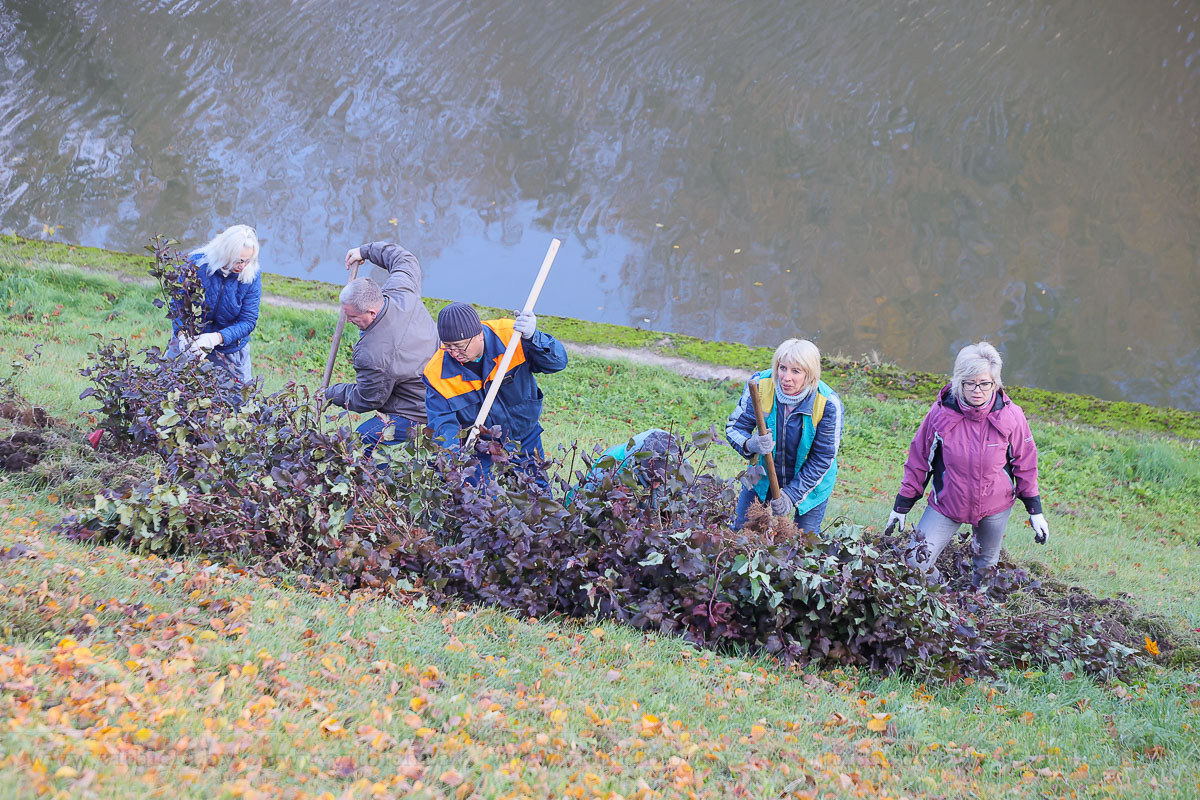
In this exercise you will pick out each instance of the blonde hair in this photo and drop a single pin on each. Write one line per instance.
(226, 247)
(972, 360)
(800, 353)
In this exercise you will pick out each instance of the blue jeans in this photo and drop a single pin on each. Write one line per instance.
(939, 529)
(371, 430)
(808, 521)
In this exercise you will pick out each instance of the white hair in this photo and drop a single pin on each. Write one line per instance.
(799, 353)
(226, 247)
(973, 360)
(362, 294)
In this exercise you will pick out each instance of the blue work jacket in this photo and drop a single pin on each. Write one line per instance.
(454, 394)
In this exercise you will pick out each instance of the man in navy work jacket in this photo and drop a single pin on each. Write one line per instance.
(460, 373)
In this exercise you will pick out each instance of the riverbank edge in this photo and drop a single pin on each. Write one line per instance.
(688, 355)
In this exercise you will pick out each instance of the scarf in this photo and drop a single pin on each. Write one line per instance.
(977, 413)
(791, 399)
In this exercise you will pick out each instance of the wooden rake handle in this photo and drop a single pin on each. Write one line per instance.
(502, 369)
(768, 459)
(337, 341)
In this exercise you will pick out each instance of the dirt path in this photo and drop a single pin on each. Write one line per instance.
(269, 299)
(680, 366)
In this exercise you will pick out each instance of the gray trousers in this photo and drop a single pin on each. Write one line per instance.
(940, 529)
(237, 362)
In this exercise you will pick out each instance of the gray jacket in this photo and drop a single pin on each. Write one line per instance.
(391, 353)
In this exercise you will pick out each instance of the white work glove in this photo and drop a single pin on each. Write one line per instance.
(182, 342)
(782, 506)
(525, 324)
(354, 256)
(760, 443)
(1041, 531)
(895, 522)
(204, 342)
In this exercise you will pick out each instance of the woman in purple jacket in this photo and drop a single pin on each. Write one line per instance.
(976, 450)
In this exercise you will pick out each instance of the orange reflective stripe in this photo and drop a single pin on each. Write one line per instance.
(503, 328)
(456, 385)
(448, 387)
(433, 369)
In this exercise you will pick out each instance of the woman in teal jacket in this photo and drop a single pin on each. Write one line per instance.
(804, 429)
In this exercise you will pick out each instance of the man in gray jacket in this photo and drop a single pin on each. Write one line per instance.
(398, 338)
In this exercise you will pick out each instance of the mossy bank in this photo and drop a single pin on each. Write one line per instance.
(884, 379)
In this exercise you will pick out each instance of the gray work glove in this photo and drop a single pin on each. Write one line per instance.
(525, 324)
(782, 506)
(895, 522)
(760, 443)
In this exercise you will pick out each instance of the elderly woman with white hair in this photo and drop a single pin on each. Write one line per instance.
(228, 270)
(975, 449)
(804, 429)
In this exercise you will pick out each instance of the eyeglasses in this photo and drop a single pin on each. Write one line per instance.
(982, 386)
(457, 347)
(241, 262)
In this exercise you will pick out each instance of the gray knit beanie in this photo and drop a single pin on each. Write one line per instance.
(458, 321)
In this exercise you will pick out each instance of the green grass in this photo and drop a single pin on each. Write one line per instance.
(516, 707)
(549, 708)
(864, 375)
(1122, 504)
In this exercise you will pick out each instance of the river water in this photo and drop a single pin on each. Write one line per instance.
(880, 176)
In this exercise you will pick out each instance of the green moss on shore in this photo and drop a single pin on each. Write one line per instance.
(31, 252)
(884, 380)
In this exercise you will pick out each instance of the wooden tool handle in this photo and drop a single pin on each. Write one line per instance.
(501, 370)
(337, 341)
(768, 459)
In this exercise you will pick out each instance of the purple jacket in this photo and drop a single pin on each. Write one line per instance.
(979, 461)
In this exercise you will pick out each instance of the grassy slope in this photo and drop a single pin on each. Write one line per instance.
(508, 716)
(884, 379)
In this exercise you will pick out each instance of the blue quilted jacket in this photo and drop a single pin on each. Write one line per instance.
(230, 306)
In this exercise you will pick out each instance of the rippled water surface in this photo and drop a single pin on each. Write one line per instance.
(902, 177)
